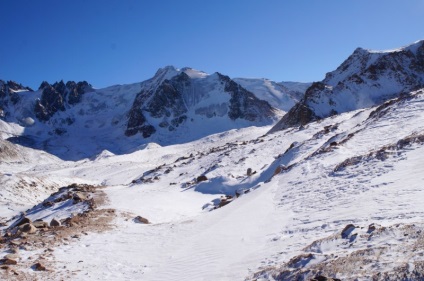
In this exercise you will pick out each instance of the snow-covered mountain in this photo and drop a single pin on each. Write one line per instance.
(174, 106)
(176, 100)
(339, 198)
(365, 79)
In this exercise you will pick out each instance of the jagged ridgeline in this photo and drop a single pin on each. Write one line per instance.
(180, 98)
(174, 106)
(55, 97)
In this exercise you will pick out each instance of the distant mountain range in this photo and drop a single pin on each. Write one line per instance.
(182, 105)
(174, 106)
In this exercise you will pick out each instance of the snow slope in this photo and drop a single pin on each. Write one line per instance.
(282, 95)
(359, 168)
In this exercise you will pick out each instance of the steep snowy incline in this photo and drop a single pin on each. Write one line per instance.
(282, 95)
(365, 79)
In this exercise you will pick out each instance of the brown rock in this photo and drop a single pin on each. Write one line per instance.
(48, 204)
(79, 196)
(249, 172)
(40, 224)
(324, 278)
(54, 223)
(15, 243)
(28, 228)
(371, 228)
(347, 230)
(140, 219)
(24, 220)
(39, 267)
(14, 250)
(224, 202)
(201, 178)
(11, 256)
(8, 262)
(277, 170)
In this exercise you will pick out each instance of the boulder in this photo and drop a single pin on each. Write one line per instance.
(371, 228)
(11, 256)
(278, 170)
(54, 223)
(24, 220)
(201, 178)
(48, 204)
(79, 196)
(8, 261)
(347, 230)
(39, 267)
(28, 228)
(40, 224)
(140, 219)
(249, 172)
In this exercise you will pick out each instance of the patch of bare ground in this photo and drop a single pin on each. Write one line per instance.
(29, 255)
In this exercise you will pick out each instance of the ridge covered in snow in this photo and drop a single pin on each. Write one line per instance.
(364, 79)
(174, 106)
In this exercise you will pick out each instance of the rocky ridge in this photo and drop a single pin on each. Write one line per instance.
(365, 79)
(175, 97)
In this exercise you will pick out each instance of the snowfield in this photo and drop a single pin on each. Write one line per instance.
(340, 197)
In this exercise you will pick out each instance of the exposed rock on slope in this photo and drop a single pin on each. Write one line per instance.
(55, 97)
(282, 95)
(365, 79)
(8, 95)
(173, 97)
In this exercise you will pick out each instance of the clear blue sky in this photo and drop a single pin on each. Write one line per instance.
(109, 42)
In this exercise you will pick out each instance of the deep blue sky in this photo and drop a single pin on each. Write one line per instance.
(110, 42)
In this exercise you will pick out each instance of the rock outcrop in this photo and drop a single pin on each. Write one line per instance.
(173, 97)
(9, 95)
(55, 97)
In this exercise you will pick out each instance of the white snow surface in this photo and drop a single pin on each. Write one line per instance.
(260, 230)
(282, 95)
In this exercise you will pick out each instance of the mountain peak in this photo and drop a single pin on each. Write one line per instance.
(170, 71)
(366, 78)
(410, 47)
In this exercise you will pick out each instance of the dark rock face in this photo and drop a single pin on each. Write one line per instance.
(8, 95)
(162, 102)
(55, 97)
(244, 104)
(299, 115)
(167, 100)
(137, 123)
(171, 99)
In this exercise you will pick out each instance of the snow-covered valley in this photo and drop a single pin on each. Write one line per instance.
(339, 197)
